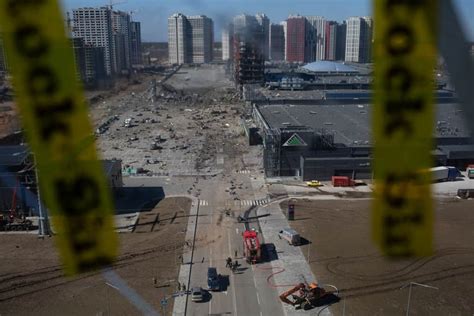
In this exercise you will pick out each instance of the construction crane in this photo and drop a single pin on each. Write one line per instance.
(131, 13)
(111, 4)
(308, 296)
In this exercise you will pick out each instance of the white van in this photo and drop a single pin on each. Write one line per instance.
(290, 235)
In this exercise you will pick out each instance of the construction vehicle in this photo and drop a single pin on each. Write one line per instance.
(252, 251)
(307, 297)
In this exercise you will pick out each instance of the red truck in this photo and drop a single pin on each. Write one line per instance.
(252, 251)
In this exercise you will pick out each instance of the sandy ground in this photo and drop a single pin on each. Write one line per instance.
(342, 253)
(32, 282)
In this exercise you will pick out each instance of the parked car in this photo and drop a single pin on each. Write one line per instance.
(314, 183)
(213, 279)
(290, 235)
(197, 294)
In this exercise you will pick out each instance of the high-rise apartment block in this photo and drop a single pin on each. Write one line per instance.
(249, 48)
(190, 39)
(319, 28)
(285, 32)
(341, 41)
(136, 43)
(89, 63)
(300, 45)
(331, 40)
(358, 39)
(94, 26)
(277, 42)
(228, 42)
(121, 41)
(202, 38)
(264, 23)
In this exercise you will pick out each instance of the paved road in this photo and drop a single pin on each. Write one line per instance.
(218, 236)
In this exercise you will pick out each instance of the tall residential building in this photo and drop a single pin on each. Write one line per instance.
(89, 62)
(228, 42)
(122, 44)
(285, 31)
(177, 43)
(94, 25)
(341, 41)
(358, 39)
(300, 40)
(264, 23)
(277, 42)
(136, 43)
(190, 39)
(249, 47)
(319, 25)
(331, 40)
(202, 38)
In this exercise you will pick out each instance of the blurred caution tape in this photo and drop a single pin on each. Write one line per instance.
(405, 58)
(55, 119)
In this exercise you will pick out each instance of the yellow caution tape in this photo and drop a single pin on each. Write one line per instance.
(405, 59)
(55, 119)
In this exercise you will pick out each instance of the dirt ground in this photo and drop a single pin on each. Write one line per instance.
(342, 253)
(32, 282)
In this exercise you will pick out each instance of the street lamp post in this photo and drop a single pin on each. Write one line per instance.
(409, 292)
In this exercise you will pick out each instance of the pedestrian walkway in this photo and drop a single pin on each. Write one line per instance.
(245, 171)
(203, 203)
(251, 202)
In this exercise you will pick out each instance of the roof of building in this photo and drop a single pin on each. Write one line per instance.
(329, 66)
(13, 156)
(351, 123)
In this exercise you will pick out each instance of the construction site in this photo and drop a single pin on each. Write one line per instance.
(208, 176)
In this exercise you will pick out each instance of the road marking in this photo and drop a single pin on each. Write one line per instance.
(258, 299)
(234, 299)
(236, 230)
(203, 203)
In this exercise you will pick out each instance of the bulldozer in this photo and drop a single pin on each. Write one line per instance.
(308, 296)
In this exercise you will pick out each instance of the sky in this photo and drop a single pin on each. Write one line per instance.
(153, 14)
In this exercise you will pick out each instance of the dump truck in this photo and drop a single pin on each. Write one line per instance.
(252, 250)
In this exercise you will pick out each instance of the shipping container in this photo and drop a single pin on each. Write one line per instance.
(339, 181)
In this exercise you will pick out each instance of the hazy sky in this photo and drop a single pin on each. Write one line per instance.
(153, 14)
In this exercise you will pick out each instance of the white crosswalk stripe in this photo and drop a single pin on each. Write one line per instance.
(251, 202)
(203, 203)
(244, 171)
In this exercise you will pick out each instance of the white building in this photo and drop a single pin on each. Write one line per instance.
(202, 38)
(319, 25)
(358, 39)
(285, 32)
(190, 39)
(228, 42)
(177, 44)
(94, 25)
